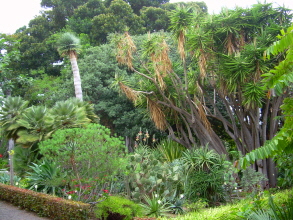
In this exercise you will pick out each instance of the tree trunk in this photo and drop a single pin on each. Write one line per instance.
(11, 165)
(76, 76)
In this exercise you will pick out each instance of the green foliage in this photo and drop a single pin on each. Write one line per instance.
(47, 90)
(113, 109)
(147, 175)
(196, 206)
(274, 212)
(236, 210)
(206, 185)
(3, 163)
(45, 205)
(68, 43)
(277, 80)
(154, 206)
(10, 112)
(285, 170)
(250, 181)
(119, 208)
(201, 159)
(46, 177)
(115, 20)
(5, 178)
(281, 142)
(205, 175)
(230, 179)
(156, 19)
(281, 76)
(23, 158)
(170, 150)
(76, 151)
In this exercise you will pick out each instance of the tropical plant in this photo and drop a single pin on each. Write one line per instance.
(251, 181)
(202, 159)
(215, 89)
(68, 44)
(170, 150)
(37, 125)
(5, 178)
(155, 206)
(278, 80)
(285, 170)
(10, 112)
(146, 174)
(46, 177)
(205, 185)
(76, 151)
(274, 212)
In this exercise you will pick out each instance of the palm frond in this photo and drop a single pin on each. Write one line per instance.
(68, 43)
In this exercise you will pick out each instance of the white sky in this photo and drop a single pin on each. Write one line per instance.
(17, 13)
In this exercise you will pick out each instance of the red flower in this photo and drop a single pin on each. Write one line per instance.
(105, 191)
(1, 155)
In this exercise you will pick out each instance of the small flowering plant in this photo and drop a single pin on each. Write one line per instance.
(143, 138)
(105, 193)
(86, 190)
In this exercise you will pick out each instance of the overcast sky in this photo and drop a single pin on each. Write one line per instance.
(17, 13)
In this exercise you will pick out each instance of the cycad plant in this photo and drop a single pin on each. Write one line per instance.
(11, 111)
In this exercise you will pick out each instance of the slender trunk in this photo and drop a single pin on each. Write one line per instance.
(76, 76)
(11, 166)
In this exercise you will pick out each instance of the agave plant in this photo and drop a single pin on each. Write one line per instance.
(46, 177)
(155, 206)
(201, 159)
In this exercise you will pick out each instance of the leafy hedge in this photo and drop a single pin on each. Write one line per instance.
(45, 205)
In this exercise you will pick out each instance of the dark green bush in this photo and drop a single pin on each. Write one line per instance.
(117, 208)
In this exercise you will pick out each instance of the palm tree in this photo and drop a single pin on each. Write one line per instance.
(10, 113)
(68, 45)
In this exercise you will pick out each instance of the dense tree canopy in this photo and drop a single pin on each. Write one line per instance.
(219, 79)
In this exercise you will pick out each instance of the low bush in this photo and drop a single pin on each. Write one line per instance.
(45, 205)
(117, 208)
(239, 210)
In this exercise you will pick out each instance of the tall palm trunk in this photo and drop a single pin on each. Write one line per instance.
(76, 75)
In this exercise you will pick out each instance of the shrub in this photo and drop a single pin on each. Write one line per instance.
(117, 208)
(85, 153)
(45, 205)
